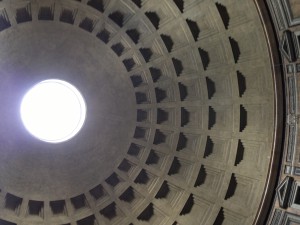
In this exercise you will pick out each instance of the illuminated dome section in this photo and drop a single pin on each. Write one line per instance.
(53, 111)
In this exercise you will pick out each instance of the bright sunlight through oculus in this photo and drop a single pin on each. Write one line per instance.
(53, 111)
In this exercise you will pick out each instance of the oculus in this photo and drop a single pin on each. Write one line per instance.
(53, 111)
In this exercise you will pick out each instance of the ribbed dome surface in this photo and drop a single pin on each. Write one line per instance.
(180, 112)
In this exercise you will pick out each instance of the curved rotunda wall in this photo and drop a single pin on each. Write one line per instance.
(188, 142)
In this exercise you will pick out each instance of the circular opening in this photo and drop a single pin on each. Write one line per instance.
(53, 111)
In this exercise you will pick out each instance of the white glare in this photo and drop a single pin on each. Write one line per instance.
(53, 111)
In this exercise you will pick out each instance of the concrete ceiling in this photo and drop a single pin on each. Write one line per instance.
(181, 112)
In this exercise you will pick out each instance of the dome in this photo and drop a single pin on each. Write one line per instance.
(183, 112)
